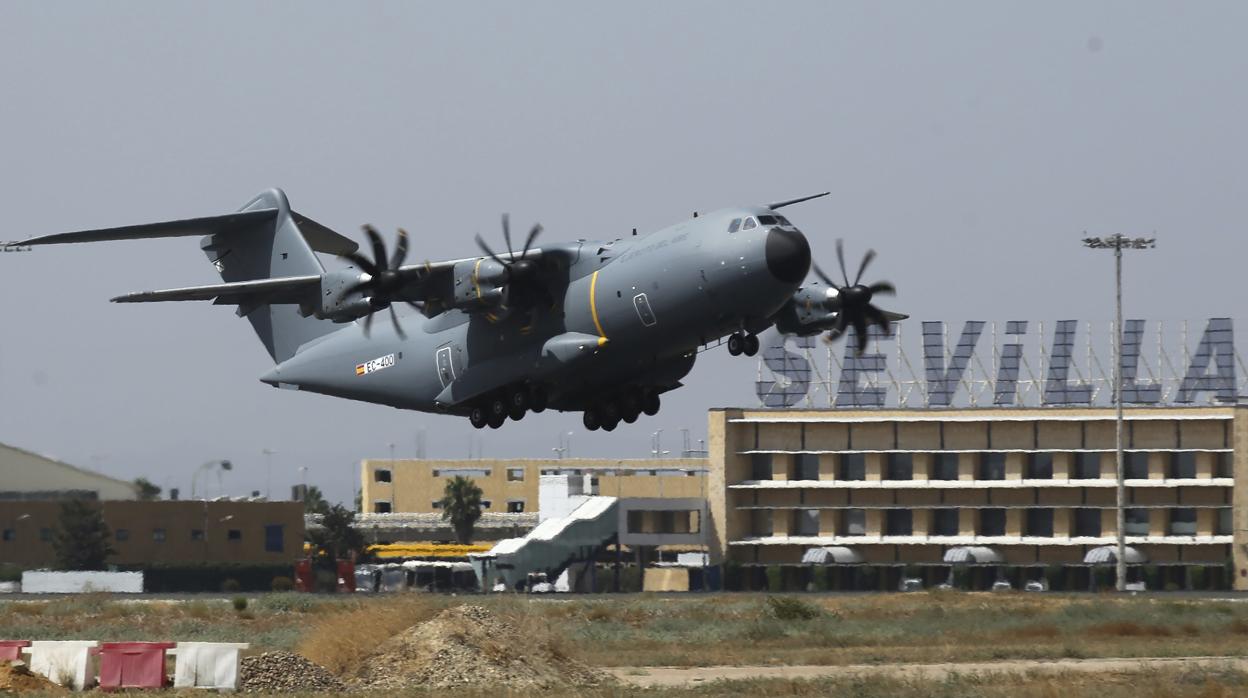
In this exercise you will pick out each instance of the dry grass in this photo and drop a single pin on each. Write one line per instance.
(339, 640)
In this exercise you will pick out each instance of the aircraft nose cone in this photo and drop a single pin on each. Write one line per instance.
(788, 255)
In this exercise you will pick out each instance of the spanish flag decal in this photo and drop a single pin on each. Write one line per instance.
(359, 369)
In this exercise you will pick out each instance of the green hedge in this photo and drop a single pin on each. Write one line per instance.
(210, 577)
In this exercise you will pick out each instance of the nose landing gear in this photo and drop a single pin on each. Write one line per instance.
(739, 344)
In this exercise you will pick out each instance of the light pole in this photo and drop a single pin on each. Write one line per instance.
(218, 463)
(1118, 243)
(268, 472)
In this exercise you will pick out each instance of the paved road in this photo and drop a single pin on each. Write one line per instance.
(685, 676)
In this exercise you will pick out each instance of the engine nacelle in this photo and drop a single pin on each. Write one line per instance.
(811, 310)
(336, 304)
(479, 285)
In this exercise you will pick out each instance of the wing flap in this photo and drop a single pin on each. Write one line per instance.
(290, 289)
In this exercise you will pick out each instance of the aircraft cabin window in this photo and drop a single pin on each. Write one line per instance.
(767, 220)
(749, 224)
(735, 225)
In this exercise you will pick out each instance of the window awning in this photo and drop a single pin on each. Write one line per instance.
(1108, 554)
(832, 554)
(972, 554)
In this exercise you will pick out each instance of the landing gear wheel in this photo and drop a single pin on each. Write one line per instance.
(517, 403)
(736, 344)
(751, 345)
(496, 420)
(630, 415)
(610, 416)
(610, 426)
(591, 419)
(537, 399)
(651, 404)
(479, 417)
(498, 410)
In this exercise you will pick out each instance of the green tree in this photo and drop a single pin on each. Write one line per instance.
(337, 537)
(461, 504)
(146, 489)
(82, 540)
(314, 502)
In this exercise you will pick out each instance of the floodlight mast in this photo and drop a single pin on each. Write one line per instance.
(1117, 242)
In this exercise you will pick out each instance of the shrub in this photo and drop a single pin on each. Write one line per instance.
(282, 584)
(790, 608)
(231, 585)
(240, 603)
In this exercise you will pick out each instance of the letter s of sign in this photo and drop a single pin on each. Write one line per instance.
(790, 371)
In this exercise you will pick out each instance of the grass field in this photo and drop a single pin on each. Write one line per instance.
(711, 630)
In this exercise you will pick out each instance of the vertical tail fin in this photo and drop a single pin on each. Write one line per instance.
(275, 246)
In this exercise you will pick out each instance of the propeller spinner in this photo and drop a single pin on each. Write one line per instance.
(853, 301)
(385, 278)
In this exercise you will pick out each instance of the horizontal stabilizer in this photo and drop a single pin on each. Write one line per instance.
(168, 229)
(289, 289)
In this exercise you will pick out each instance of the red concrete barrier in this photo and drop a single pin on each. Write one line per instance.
(133, 664)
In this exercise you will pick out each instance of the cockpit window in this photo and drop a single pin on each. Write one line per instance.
(784, 221)
(749, 224)
(735, 225)
(767, 220)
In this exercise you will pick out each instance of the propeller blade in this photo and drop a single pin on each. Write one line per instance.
(822, 276)
(507, 235)
(860, 331)
(400, 250)
(528, 242)
(840, 257)
(837, 330)
(882, 287)
(486, 249)
(379, 247)
(863, 267)
(879, 319)
(368, 323)
(362, 262)
(398, 329)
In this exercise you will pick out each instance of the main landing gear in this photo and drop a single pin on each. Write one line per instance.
(512, 402)
(739, 344)
(608, 414)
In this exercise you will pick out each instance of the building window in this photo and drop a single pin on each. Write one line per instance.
(900, 466)
(945, 466)
(806, 522)
(234, 535)
(515, 506)
(1183, 522)
(1135, 465)
(1182, 465)
(944, 522)
(1039, 523)
(898, 522)
(853, 522)
(515, 475)
(158, 535)
(122, 534)
(9, 535)
(1087, 466)
(992, 522)
(45, 534)
(274, 538)
(461, 472)
(852, 466)
(197, 534)
(436, 504)
(760, 518)
(485, 503)
(760, 466)
(381, 507)
(992, 466)
(1136, 522)
(381, 475)
(1226, 525)
(1088, 523)
(807, 466)
(1223, 466)
(1039, 466)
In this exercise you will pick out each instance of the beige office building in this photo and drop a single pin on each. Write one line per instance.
(846, 498)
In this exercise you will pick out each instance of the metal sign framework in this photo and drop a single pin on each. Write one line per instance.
(1015, 363)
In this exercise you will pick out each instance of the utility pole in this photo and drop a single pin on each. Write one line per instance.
(1117, 243)
(268, 472)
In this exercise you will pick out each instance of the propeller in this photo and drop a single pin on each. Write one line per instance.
(385, 278)
(520, 273)
(853, 300)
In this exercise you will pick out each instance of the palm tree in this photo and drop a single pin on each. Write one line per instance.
(461, 503)
(314, 502)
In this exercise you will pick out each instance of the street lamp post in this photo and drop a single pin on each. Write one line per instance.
(268, 472)
(1117, 243)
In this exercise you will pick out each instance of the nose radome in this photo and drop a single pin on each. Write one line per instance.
(788, 255)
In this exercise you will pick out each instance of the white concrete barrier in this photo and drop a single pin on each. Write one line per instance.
(48, 582)
(207, 665)
(62, 661)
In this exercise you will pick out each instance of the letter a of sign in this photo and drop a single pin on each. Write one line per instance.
(1058, 390)
(942, 382)
(1217, 346)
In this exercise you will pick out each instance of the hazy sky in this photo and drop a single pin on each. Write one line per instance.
(969, 143)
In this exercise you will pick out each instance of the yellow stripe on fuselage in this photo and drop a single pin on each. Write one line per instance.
(593, 305)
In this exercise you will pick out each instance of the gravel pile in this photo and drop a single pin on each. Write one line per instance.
(16, 677)
(470, 646)
(285, 672)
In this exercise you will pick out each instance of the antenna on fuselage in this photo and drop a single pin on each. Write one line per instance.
(782, 204)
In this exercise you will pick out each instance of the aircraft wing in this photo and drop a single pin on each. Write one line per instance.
(290, 289)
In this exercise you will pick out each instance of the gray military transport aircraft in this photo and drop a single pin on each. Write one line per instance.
(599, 327)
